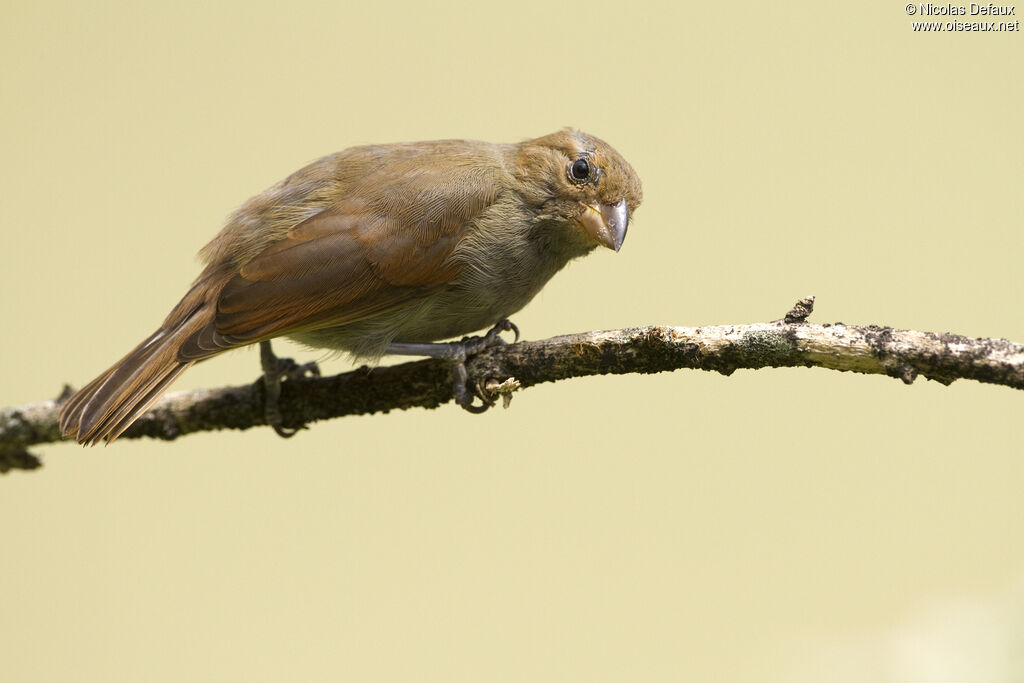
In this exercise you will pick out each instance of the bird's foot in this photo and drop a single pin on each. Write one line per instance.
(274, 370)
(469, 347)
(457, 353)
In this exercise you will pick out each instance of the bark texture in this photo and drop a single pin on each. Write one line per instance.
(499, 371)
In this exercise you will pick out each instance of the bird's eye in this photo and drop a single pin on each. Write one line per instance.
(579, 170)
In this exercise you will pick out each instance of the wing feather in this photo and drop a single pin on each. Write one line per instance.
(375, 249)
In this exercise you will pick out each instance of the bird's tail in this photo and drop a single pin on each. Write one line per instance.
(105, 407)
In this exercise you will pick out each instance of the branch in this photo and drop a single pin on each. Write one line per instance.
(791, 342)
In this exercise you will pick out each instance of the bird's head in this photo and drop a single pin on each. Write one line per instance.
(578, 178)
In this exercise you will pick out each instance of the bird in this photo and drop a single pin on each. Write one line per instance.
(374, 250)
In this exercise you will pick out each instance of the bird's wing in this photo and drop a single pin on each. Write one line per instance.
(370, 252)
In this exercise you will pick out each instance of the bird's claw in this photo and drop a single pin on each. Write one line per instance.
(468, 347)
(274, 370)
(460, 378)
(493, 335)
(287, 368)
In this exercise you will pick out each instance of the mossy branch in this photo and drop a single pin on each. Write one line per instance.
(498, 371)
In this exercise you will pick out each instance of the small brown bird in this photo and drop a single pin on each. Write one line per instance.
(374, 250)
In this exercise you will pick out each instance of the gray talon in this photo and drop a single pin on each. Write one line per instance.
(274, 370)
(456, 353)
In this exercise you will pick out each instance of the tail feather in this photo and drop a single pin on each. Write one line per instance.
(127, 417)
(105, 407)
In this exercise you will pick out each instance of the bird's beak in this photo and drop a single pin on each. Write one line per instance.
(606, 223)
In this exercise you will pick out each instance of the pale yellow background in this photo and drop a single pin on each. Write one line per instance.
(780, 525)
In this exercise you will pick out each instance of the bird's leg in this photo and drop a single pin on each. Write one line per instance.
(456, 353)
(274, 370)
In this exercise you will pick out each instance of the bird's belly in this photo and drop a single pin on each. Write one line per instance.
(445, 315)
(492, 290)
(461, 311)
